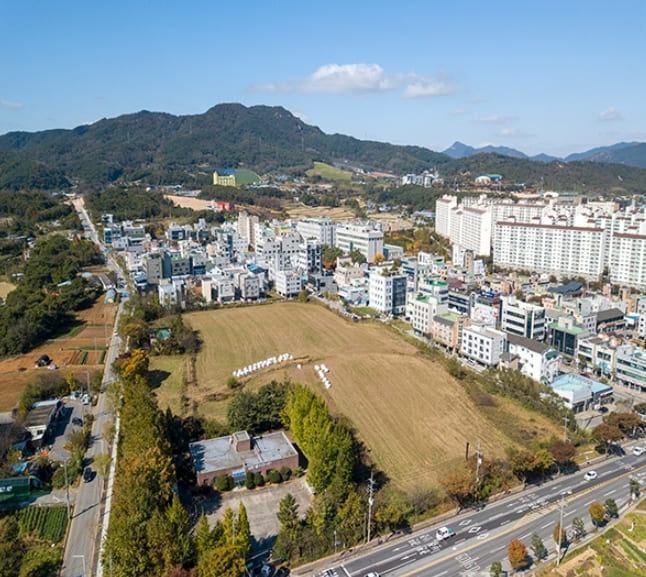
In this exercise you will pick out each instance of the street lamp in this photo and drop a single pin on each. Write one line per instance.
(82, 557)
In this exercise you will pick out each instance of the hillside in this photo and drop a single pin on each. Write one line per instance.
(160, 148)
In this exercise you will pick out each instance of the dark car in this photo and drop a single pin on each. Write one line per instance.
(87, 475)
(282, 572)
(77, 421)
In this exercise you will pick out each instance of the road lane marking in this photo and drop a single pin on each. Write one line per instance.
(546, 525)
(610, 492)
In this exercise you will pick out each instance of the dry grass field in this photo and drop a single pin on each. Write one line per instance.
(5, 289)
(66, 352)
(414, 417)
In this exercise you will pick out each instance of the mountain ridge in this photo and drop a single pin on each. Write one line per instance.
(161, 148)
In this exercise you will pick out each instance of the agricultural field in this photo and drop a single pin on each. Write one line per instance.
(298, 210)
(81, 351)
(411, 414)
(329, 172)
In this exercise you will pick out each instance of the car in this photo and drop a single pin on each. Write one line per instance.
(590, 475)
(86, 399)
(639, 451)
(444, 533)
(87, 475)
(77, 421)
(371, 574)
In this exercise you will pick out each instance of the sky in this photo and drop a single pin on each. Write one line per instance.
(552, 77)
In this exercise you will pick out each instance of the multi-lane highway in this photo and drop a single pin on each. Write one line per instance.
(482, 536)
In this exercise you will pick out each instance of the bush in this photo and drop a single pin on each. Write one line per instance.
(58, 478)
(258, 480)
(273, 476)
(223, 483)
(285, 472)
(249, 482)
(298, 472)
(232, 382)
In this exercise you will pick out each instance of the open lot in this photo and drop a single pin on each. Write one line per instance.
(79, 352)
(411, 414)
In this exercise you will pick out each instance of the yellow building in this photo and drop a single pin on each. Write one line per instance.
(224, 177)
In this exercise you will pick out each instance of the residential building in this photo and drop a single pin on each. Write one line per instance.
(288, 283)
(446, 329)
(537, 360)
(483, 345)
(421, 309)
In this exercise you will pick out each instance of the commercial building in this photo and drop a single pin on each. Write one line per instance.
(319, 229)
(368, 239)
(387, 291)
(521, 318)
(536, 360)
(581, 393)
(236, 454)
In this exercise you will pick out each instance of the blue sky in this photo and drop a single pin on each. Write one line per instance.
(553, 77)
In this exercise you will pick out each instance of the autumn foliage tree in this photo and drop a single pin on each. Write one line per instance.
(597, 513)
(517, 554)
(563, 452)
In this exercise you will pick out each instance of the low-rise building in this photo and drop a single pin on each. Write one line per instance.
(581, 393)
(483, 345)
(536, 360)
(236, 454)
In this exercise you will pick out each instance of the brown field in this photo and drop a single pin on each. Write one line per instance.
(414, 417)
(5, 289)
(65, 352)
(188, 202)
(297, 211)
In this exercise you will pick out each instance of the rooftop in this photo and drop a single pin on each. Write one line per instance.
(220, 453)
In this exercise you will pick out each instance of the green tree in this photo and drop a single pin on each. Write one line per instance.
(349, 518)
(538, 547)
(102, 464)
(243, 532)
(204, 539)
(634, 487)
(611, 508)
(303, 296)
(517, 554)
(579, 526)
(178, 520)
(11, 546)
(228, 527)
(496, 569)
(224, 561)
(597, 513)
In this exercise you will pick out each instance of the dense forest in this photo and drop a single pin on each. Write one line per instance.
(158, 148)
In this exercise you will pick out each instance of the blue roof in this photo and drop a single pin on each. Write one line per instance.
(225, 171)
(571, 287)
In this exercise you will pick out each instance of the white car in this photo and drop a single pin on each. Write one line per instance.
(444, 533)
(638, 451)
(590, 475)
(372, 574)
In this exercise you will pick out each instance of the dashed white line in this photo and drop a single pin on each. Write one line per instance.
(525, 536)
(546, 525)
(609, 492)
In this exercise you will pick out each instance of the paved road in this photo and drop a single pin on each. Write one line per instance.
(483, 535)
(82, 547)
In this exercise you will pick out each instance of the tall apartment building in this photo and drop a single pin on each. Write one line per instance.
(565, 250)
(246, 227)
(628, 260)
(368, 239)
(522, 319)
(443, 210)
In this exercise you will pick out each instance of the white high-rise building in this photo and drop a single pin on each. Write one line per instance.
(321, 229)
(563, 250)
(368, 239)
(443, 208)
(628, 260)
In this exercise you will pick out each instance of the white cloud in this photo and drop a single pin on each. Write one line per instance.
(423, 87)
(609, 115)
(12, 105)
(460, 111)
(513, 132)
(493, 119)
(359, 79)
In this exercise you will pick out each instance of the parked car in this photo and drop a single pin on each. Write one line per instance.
(444, 533)
(86, 399)
(87, 475)
(590, 475)
(639, 451)
(77, 421)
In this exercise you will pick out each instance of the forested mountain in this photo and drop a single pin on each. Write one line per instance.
(159, 148)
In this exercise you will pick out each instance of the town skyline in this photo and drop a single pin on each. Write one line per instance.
(554, 80)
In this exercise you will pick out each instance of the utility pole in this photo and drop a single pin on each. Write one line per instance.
(558, 551)
(371, 488)
(478, 463)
